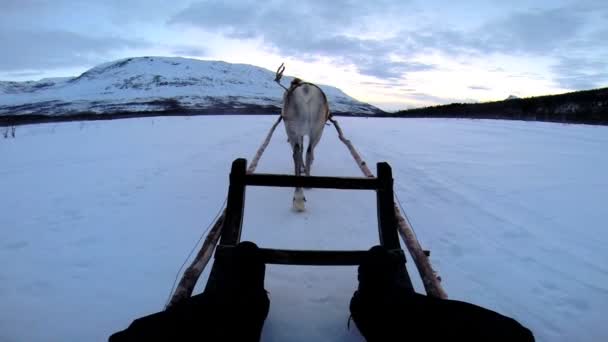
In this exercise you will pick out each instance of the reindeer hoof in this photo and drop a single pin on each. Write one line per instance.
(299, 204)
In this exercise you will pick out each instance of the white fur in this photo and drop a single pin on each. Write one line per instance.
(305, 111)
(299, 202)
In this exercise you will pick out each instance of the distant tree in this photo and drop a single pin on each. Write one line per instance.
(588, 106)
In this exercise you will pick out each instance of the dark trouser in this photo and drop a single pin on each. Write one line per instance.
(235, 308)
(418, 317)
(202, 318)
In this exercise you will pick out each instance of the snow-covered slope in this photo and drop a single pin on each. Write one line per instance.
(97, 217)
(160, 84)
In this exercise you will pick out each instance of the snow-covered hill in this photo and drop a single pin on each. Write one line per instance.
(161, 84)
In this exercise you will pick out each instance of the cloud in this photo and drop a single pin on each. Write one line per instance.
(195, 51)
(306, 30)
(51, 35)
(392, 70)
(274, 21)
(311, 30)
(283, 19)
(21, 74)
(450, 42)
(23, 50)
(578, 29)
(582, 73)
(395, 84)
(533, 32)
(474, 87)
(431, 99)
(387, 39)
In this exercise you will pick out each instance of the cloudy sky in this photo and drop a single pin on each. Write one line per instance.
(392, 53)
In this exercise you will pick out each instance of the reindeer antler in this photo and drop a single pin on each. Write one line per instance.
(279, 75)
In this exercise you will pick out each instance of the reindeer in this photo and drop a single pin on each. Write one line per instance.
(305, 112)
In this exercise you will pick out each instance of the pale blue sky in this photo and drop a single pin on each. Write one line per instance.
(392, 53)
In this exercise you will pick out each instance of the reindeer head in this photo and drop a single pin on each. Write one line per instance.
(296, 81)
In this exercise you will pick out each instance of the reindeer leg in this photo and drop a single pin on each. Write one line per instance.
(296, 159)
(310, 157)
(298, 196)
(302, 165)
(310, 151)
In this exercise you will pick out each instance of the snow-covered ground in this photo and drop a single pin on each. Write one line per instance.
(97, 217)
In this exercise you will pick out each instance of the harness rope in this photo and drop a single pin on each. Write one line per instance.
(219, 212)
(193, 272)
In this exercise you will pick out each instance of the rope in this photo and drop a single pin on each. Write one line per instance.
(193, 272)
(192, 251)
(407, 219)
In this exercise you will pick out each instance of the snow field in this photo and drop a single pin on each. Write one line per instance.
(97, 217)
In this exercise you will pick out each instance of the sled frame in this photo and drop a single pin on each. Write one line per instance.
(233, 222)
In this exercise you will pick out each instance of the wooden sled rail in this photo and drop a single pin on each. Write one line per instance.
(353, 183)
(307, 257)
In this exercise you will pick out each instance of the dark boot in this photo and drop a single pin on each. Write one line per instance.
(233, 310)
(383, 279)
(238, 288)
(384, 310)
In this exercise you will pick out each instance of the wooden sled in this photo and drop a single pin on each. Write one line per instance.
(233, 222)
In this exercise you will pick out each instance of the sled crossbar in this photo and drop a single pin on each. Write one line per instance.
(307, 257)
(348, 183)
(239, 179)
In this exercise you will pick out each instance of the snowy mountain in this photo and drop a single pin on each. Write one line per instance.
(161, 84)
